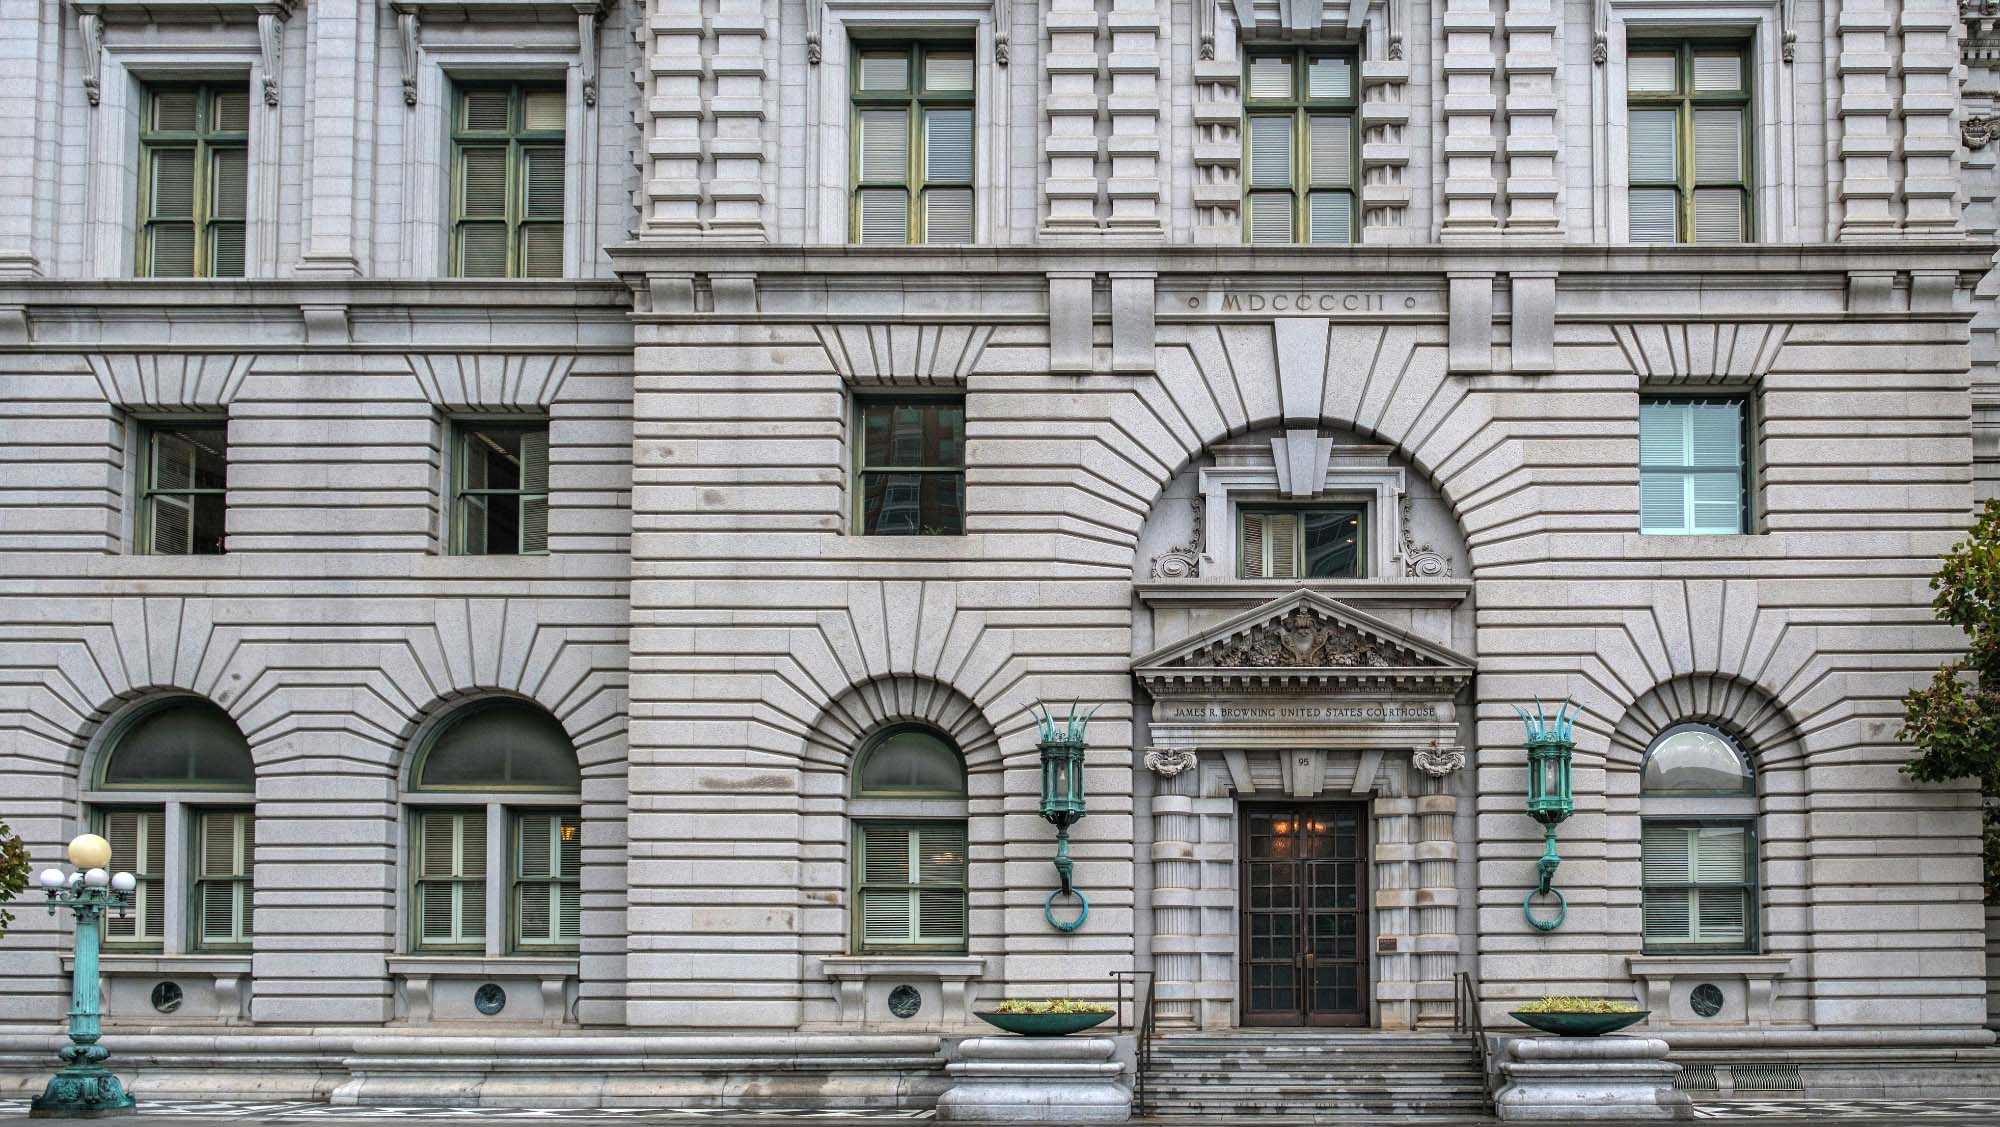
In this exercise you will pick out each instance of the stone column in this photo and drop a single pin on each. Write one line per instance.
(1071, 105)
(1470, 203)
(1437, 885)
(1395, 897)
(1867, 149)
(1176, 886)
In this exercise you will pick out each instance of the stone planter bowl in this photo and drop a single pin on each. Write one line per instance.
(1044, 1025)
(1578, 1025)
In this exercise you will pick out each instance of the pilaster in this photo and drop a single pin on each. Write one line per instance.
(1218, 145)
(1071, 188)
(1437, 902)
(26, 56)
(1864, 103)
(739, 109)
(675, 64)
(1177, 929)
(1930, 141)
(1136, 101)
(339, 134)
(1534, 178)
(1471, 197)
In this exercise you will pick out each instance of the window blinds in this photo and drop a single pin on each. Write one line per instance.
(451, 878)
(1697, 883)
(139, 846)
(1691, 467)
(548, 890)
(224, 878)
(911, 889)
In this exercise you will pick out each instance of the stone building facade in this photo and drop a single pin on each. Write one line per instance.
(1303, 386)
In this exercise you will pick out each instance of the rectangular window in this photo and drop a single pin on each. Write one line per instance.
(226, 841)
(1691, 467)
(194, 177)
(138, 840)
(911, 887)
(912, 467)
(912, 134)
(181, 488)
(1688, 137)
(548, 892)
(500, 489)
(507, 181)
(1301, 543)
(1700, 887)
(450, 866)
(1300, 141)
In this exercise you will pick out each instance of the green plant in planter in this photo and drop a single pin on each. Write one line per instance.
(1051, 1006)
(1559, 1004)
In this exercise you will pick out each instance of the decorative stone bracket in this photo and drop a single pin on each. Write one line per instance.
(589, 18)
(423, 979)
(1742, 987)
(92, 14)
(1600, 47)
(867, 988)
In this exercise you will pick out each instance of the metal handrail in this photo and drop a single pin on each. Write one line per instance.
(1465, 1009)
(1143, 1021)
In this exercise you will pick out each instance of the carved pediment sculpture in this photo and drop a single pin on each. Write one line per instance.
(1304, 638)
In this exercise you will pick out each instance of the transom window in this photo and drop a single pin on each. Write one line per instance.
(183, 470)
(171, 795)
(500, 489)
(910, 843)
(507, 180)
(1300, 145)
(194, 180)
(911, 467)
(1688, 137)
(1301, 543)
(1692, 478)
(489, 874)
(912, 143)
(1698, 844)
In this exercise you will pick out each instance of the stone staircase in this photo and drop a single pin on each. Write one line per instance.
(1306, 1075)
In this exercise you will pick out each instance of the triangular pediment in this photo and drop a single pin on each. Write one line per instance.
(1306, 638)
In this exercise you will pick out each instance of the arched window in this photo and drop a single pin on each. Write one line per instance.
(1698, 844)
(909, 843)
(172, 794)
(496, 836)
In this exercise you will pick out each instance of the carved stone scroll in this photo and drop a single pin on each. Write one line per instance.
(1437, 761)
(588, 16)
(270, 43)
(90, 26)
(1169, 761)
(406, 27)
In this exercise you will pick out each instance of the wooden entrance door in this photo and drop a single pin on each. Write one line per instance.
(1304, 929)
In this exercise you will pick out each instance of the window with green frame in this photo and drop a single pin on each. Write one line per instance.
(910, 892)
(1300, 130)
(1700, 886)
(500, 489)
(223, 887)
(910, 466)
(1301, 543)
(1692, 478)
(194, 177)
(450, 850)
(912, 138)
(548, 890)
(183, 469)
(1688, 142)
(507, 180)
(138, 838)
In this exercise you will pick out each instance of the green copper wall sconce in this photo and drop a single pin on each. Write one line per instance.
(1549, 799)
(1062, 748)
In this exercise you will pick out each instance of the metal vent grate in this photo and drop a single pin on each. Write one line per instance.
(1766, 1078)
(1696, 1078)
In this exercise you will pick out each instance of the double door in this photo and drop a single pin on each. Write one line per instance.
(1304, 927)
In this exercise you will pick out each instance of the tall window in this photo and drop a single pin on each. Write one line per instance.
(909, 844)
(182, 471)
(1296, 543)
(1688, 132)
(496, 839)
(194, 175)
(912, 144)
(174, 781)
(911, 466)
(507, 177)
(500, 489)
(1300, 147)
(1692, 478)
(1698, 844)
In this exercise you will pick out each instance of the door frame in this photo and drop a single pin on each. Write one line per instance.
(1364, 933)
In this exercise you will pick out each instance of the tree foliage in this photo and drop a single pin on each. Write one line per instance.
(13, 872)
(1955, 720)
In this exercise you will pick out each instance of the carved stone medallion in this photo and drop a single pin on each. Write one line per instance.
(1436, 761)
(1170, 761)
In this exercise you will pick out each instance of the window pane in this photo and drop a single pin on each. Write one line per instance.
(930, 433)
(504, 745)
(1718, 74)
(482, 250)
(1250, 545)
(1329, 78)
(1715, 434)
(1271, 151)
(947, 73)
(541, 250)
(229, 183)
(885, 146)
(1718, 146)
(910, 761)
(174, 111)
(1331, 217)
(1271, 217)
(1663, 501)
(187, 743)
(1718, 215)
(172, 250)
(225, 250)
(905, 504)
(173, 183)
(885, 71)
(1271, 77)
(1332, 151)
(1650, 74)
(947, 145)
(483, 182)
(1651, 140)
(1652, 213)
(230, 111)
(885, 216)
(486, 110)
(1669, 914)
(542, 111)
(948, 215)
(493, 458)
(1332, 544)
(543, 196)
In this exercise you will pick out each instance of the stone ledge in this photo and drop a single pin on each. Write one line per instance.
(865, 981)
(1665, 981)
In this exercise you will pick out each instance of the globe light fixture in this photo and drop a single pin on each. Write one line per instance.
(83, 1087)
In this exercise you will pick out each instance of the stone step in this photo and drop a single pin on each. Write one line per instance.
(1314, 1074)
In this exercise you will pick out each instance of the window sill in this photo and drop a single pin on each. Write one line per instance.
(114, 962)
(215, 988)
(442, 987)
(1749, 984)
(473, 963)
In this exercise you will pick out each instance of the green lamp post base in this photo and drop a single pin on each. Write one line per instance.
(82, 1091)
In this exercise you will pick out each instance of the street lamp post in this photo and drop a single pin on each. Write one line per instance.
(83, 1087)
